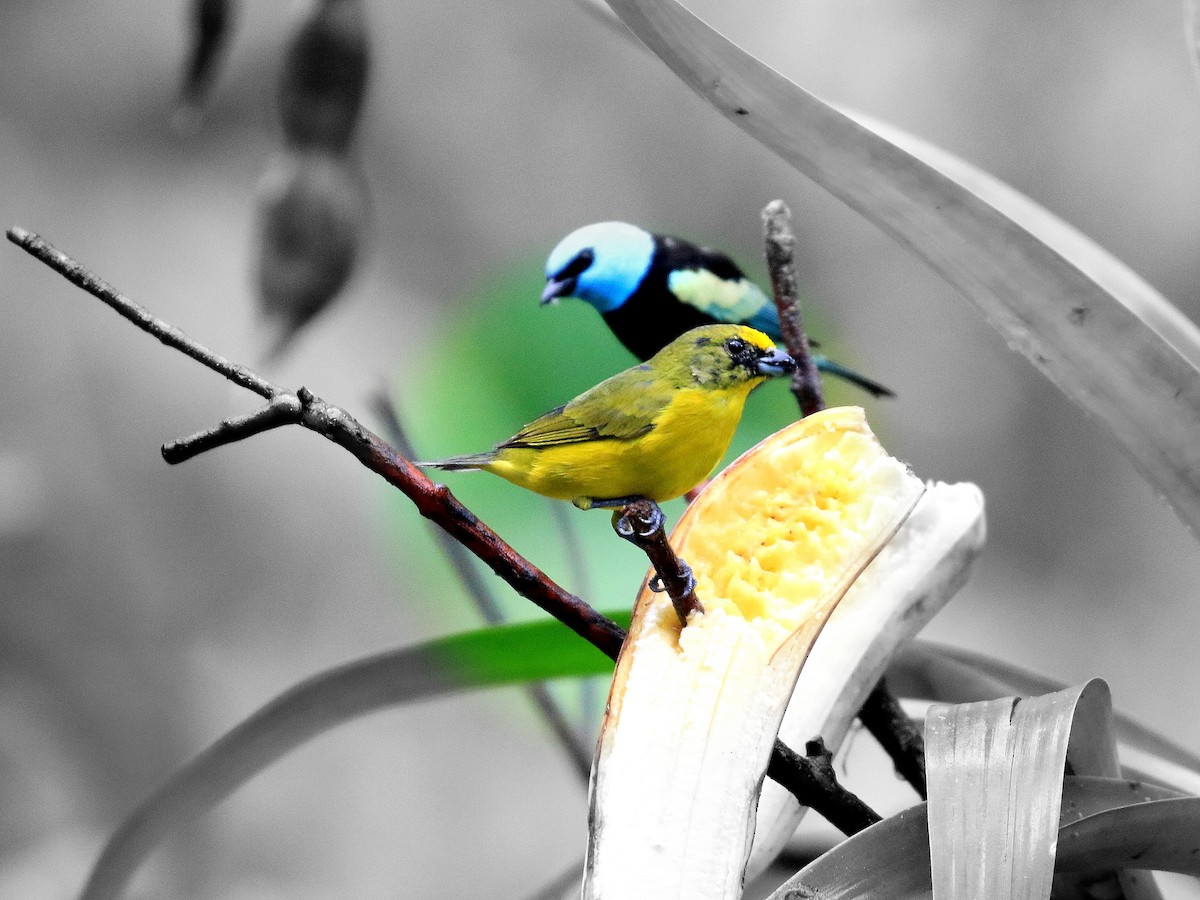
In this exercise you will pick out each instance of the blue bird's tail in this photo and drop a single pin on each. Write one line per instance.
(874, 388)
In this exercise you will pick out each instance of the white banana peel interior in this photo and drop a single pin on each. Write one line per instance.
(774, 541)
(909, 581)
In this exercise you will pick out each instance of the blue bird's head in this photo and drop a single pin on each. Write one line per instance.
(602, 263)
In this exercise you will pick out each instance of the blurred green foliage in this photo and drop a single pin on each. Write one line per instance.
(499, 361)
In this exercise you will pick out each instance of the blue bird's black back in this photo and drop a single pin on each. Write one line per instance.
(653, 316)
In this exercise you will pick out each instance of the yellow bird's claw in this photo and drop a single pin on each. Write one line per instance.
(639, 519)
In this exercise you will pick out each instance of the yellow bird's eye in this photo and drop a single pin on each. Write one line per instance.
(736, 347)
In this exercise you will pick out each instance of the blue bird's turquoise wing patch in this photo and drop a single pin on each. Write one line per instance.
(725, 299)
(766, 320)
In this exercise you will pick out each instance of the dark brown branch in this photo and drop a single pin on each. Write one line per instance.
(781, 246)
(488, 606)
(434, 501)
(460, 560)
(812, 777)
(890, 725)
(282, 409)
(903, 743)
(168, 334)
(642, 523)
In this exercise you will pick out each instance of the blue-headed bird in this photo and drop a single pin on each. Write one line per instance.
(651, 288)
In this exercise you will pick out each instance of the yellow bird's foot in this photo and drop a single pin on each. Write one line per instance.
(636, 518)
(642, 523)
(686, 578)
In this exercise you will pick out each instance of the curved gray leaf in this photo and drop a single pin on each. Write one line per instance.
(1100, 333)
(952, 675)
(310, 708)
(890, 861)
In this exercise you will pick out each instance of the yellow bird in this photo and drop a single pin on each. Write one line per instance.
(653, 431)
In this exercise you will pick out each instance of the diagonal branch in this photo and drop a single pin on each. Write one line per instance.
(434, 501)
(173, 337)
(890, 725)
(813, 776)
(572, 743)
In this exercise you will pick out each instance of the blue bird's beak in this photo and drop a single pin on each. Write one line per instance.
(775, 362)
(556, 288)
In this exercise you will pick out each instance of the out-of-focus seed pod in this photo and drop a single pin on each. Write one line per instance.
(211, 22)
(324, 77)
(312, 207)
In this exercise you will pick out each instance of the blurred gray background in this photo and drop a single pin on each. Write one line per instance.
(145, 609)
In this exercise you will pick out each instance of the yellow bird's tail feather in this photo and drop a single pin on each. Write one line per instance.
(457, 463)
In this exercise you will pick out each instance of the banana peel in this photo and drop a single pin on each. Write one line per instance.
(909, 581)
(775, 542)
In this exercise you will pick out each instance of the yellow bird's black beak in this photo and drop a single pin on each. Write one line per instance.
(774, 362)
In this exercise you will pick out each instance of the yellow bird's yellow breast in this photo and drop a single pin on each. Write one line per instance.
(688, 439)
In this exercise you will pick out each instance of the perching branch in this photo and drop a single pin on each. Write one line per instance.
(434, 501)
(895, 733)
(641, 522)
(781, 246)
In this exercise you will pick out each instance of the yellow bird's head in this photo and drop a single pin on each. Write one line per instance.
(718, 357)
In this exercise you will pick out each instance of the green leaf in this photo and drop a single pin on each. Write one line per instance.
(1053, 294)
(531, 651)
(486, 658)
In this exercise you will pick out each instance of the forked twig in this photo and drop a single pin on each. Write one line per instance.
(302, 407)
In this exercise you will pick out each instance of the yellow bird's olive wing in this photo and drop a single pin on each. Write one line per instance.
(552, 429)
(621, 408)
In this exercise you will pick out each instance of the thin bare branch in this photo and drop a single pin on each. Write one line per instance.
(780, 250)
(894, 732)
(282, 409)
(84, 278)
(812, 776)
(885, 718)
(434, 501)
